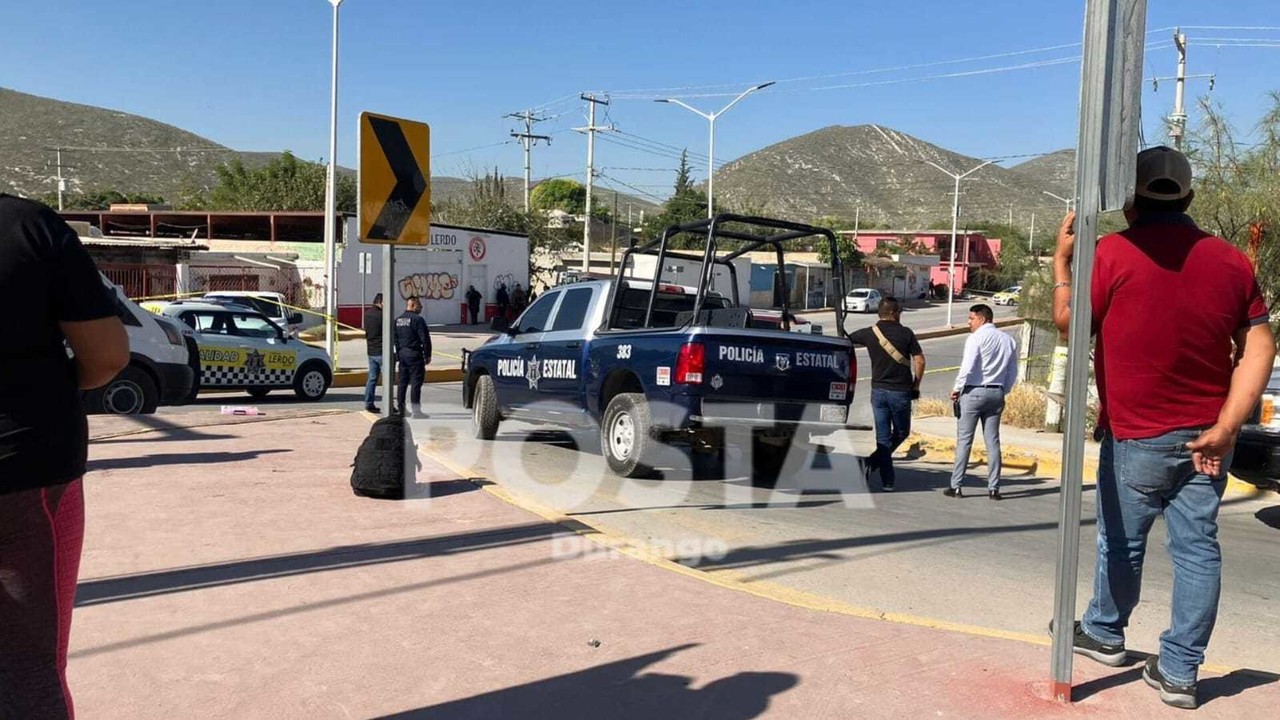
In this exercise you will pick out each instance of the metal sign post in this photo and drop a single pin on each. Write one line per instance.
(394, 209)
(1110, 97)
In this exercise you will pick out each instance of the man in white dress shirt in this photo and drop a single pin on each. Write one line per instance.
(987, 374)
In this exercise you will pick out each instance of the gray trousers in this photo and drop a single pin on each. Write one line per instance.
(983, 405)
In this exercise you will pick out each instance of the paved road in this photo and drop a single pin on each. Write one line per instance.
(916, 552)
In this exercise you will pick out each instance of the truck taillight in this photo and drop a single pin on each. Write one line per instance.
(691, 363)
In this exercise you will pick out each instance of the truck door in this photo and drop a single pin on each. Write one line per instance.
(562, 357)
(518, 370)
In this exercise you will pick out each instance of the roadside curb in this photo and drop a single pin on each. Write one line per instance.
(963, 330)
(1046, 463)
(358, 378)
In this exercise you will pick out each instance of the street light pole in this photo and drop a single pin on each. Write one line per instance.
(955, 220)
(1069, 202)
(711, 140)
(331, 199)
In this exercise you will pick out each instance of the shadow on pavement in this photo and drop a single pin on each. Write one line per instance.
(755, 556)
(618, 690)
(210, 458)
(303, 607)
(165, 582)
(1270, 516)
(1210, 688)
(714, 506)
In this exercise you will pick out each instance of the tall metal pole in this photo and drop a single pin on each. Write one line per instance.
(711, 167)
(710, 117)
(955, 219)
(1114, 32)
(1031, 243)
(613, 240)
(1178, 121)
(591, 176)
(331, 200)
(62, 184)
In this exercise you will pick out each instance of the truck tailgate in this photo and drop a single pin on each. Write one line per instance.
(776, 367)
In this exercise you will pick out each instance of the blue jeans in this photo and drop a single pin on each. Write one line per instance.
(1138, 480)
(892, 411)
(375, 374)
(985, 405)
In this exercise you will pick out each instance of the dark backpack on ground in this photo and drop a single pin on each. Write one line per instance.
(379, 467)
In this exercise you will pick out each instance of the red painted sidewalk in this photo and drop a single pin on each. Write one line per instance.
(230, 572)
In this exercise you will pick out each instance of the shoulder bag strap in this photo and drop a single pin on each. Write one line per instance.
(889, 348)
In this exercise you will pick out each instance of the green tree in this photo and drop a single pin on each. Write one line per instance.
(485, 205)
(285, 183)
(1238, 188)
(851, 257)
(686, 204)
(559, 194)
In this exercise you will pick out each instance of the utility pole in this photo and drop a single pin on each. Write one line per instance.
(1010, 214)
(1178, 121)
(955, 220)
(613, 225)
(590, 130)
(62, 183)
(1031, 244)
(331, 203)
(528, 139)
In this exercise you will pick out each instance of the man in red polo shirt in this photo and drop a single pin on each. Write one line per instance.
(1184, 351)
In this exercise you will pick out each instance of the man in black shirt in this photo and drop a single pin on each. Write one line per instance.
(54, 299)
(473, 303)
(413, 350)
(373, 346)
(894, 352)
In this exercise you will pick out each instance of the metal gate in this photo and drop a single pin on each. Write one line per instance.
(141, 281)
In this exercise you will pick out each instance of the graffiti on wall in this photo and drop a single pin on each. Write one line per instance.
(429, 286)
(508, 279)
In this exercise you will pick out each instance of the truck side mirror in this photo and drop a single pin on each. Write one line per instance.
(295, 319)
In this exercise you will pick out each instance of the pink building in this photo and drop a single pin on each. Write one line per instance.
(973, 249)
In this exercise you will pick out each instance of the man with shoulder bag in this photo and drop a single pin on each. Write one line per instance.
(897, 367)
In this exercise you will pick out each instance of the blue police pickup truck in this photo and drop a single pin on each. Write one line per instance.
(646, 361)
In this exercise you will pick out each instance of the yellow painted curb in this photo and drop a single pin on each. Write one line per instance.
(358, 378)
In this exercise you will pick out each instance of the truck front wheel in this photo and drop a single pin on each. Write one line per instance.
(625, 437)
(484, 409)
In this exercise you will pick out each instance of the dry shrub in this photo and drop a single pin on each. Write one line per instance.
(1023, 407)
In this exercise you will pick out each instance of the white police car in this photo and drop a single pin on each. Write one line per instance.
(242, 348)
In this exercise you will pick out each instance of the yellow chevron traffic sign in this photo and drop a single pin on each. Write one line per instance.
(395, 180)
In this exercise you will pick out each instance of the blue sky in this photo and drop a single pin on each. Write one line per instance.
(254, 74)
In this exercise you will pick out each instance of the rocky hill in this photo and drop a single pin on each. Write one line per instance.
(877, 172)
(113, 150)
(1055, 172)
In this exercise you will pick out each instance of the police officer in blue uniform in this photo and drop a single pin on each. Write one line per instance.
(413, 350)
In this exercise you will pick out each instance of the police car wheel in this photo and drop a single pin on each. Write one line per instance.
(258, 393)
(132, 392)
(311, 382)
(484, 409)
(625, 438)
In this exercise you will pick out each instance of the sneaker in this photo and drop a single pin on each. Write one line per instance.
(887, 487)
(1179, 696)
(373, 409)
(1083, 644)
(995, 495)
(954, 492)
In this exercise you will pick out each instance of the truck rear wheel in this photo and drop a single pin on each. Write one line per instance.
(625, 438)
(484, 409)
(767, 460)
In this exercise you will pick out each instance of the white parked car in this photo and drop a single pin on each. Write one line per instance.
(271, 304)
(862, 300)
(161, 369)
(243, 349)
